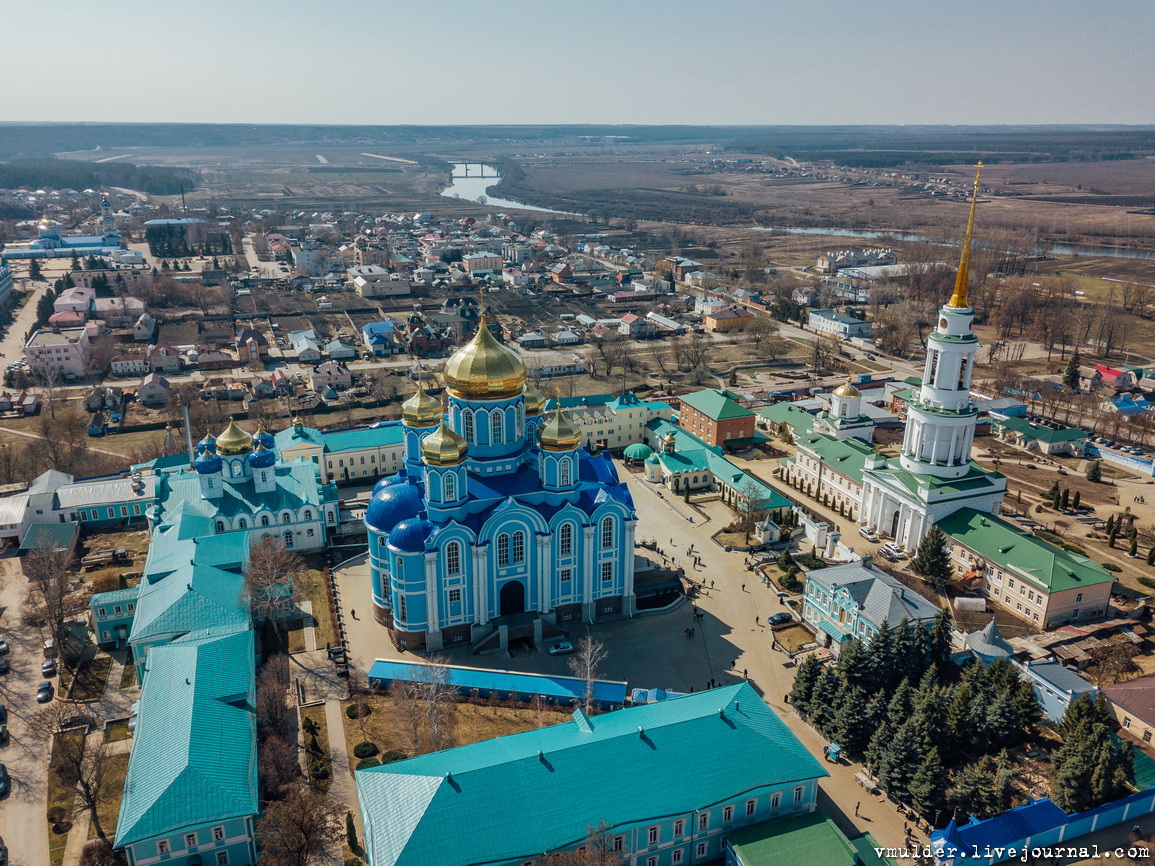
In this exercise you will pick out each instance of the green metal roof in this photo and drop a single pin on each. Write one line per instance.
(455, 807)
(638, 451)
(716, 404)
(49, 536)
(116, 596)
(975, 479)
(1040, 432)
(809, 838)
(388, 436)
(290, 436)
(787, 413)
(845, 456)
(1021, 553)
(194, 756)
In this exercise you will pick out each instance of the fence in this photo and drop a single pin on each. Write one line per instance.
(1135, 464)
(1036, 824)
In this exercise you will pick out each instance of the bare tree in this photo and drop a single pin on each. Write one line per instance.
(83, 763)
(597, 850)
(50, 380)
(301, 829)
(585, 664)
(427, 703)
(277, 765)
(269, 579)
(51, 599)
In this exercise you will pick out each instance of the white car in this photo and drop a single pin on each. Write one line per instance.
(868, 534)
(561, 648)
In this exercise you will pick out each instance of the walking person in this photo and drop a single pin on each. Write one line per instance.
(856, 805)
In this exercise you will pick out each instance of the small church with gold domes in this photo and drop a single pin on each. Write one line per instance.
(499, 523)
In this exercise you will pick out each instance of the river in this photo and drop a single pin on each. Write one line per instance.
(1056, 249)
(471, 180)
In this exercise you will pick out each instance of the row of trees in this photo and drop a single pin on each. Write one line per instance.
(901, 702)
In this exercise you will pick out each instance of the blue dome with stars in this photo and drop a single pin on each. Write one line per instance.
(409, 536)
(208, 463)
(262, 458)
(391, 504)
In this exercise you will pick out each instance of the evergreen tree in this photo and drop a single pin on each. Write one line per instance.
(1065, 499)
(1077, 499)
(1151, 556)
(1002, 792)
(972, 793)
(1112, 534)
(1133, 547)
(880, 659)
(1073, 764)
(850, 727)
(960, 731)
(940, 644)
(66, 282)
(1027, 704)
(804, 681)
(1110, 525)
(901, 705)
(1071, 372)
(34, 272)
(932, 561)
(823, 702)
(928, 787)
(854, 665)
(879, 743)
(899, 764)
(785, 560)
(1095, 471)
(1052, 492)
(1002, 719)
(930, 714)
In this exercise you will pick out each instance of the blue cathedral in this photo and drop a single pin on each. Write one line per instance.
(499, 524)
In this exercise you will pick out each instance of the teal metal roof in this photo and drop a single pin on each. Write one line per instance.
(188, 599)
(117, 596)
(296, 487)
(48, 536)
(454, 807)
(387, 436)
(289, 437)
(194, 756)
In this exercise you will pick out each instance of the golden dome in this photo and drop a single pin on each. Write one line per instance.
(421, 410)
(847, 390)
(558, 434)
(443, 447)
(483, 369)
(534, 400)
(234, 440)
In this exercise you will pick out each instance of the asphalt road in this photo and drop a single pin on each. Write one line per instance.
(22, 813)
(12, 344)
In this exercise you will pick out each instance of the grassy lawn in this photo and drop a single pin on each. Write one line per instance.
(793, 637)
(312, 588)
(91, 679)
(60, 797)
(109, 808)
(114, 731)
(317, 714)
(296, 640)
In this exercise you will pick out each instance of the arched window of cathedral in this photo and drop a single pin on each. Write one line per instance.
(450, 487)
(432, 485)
(518, 547)
(565, 540)
(453, 558)
(607, 533)
(238, 469)
(286, 518)
(467, 426)
(503, 549)
(220, 526)
(308, 515)
(264, 476)
(497, 428)
(242, 523)
(288, 541)
(564, 475)
(264, 520)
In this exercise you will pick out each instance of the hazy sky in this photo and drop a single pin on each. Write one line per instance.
(598, 61)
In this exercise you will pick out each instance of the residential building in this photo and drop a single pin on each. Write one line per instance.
(1024, 574)
(163, 358)
(1055, 686)
(856, 600)
(608, 421)
(144, 328)
(330, 374)
(1133, 705)
(306, 345)
(374, 281)
(496, 511)
(345, 455)
(252, 346)
(834, 260)
(57, 352)
(728, 319)
(934, 475)
(339, 350)
(844, 327)
(1044, 438)
(716, 416)
(153, 390)
(785, 420)
(380, 338)
(635, 327)
(482, 261)
(111, 616)
(129, 364)
(748, 768)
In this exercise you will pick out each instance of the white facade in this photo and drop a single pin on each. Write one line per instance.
(830, 322)
(61, 352)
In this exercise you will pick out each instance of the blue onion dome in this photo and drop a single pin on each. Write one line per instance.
(392, 504)
(400, 477)
(208, 463)
(209, 444)
(263, 457)
(409, 536)
(263, 437)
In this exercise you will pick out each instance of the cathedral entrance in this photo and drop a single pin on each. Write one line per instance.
(512, 598)
(894, 526)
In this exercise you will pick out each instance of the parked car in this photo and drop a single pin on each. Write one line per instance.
(3, 733)
(5, 666)
(77, 721)
(781, 619)
(3, 852)
(868, 534)
(3, 714)
(5, 781)
(48, 667)
(561, 648)
(44, 693)
(3, 646)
